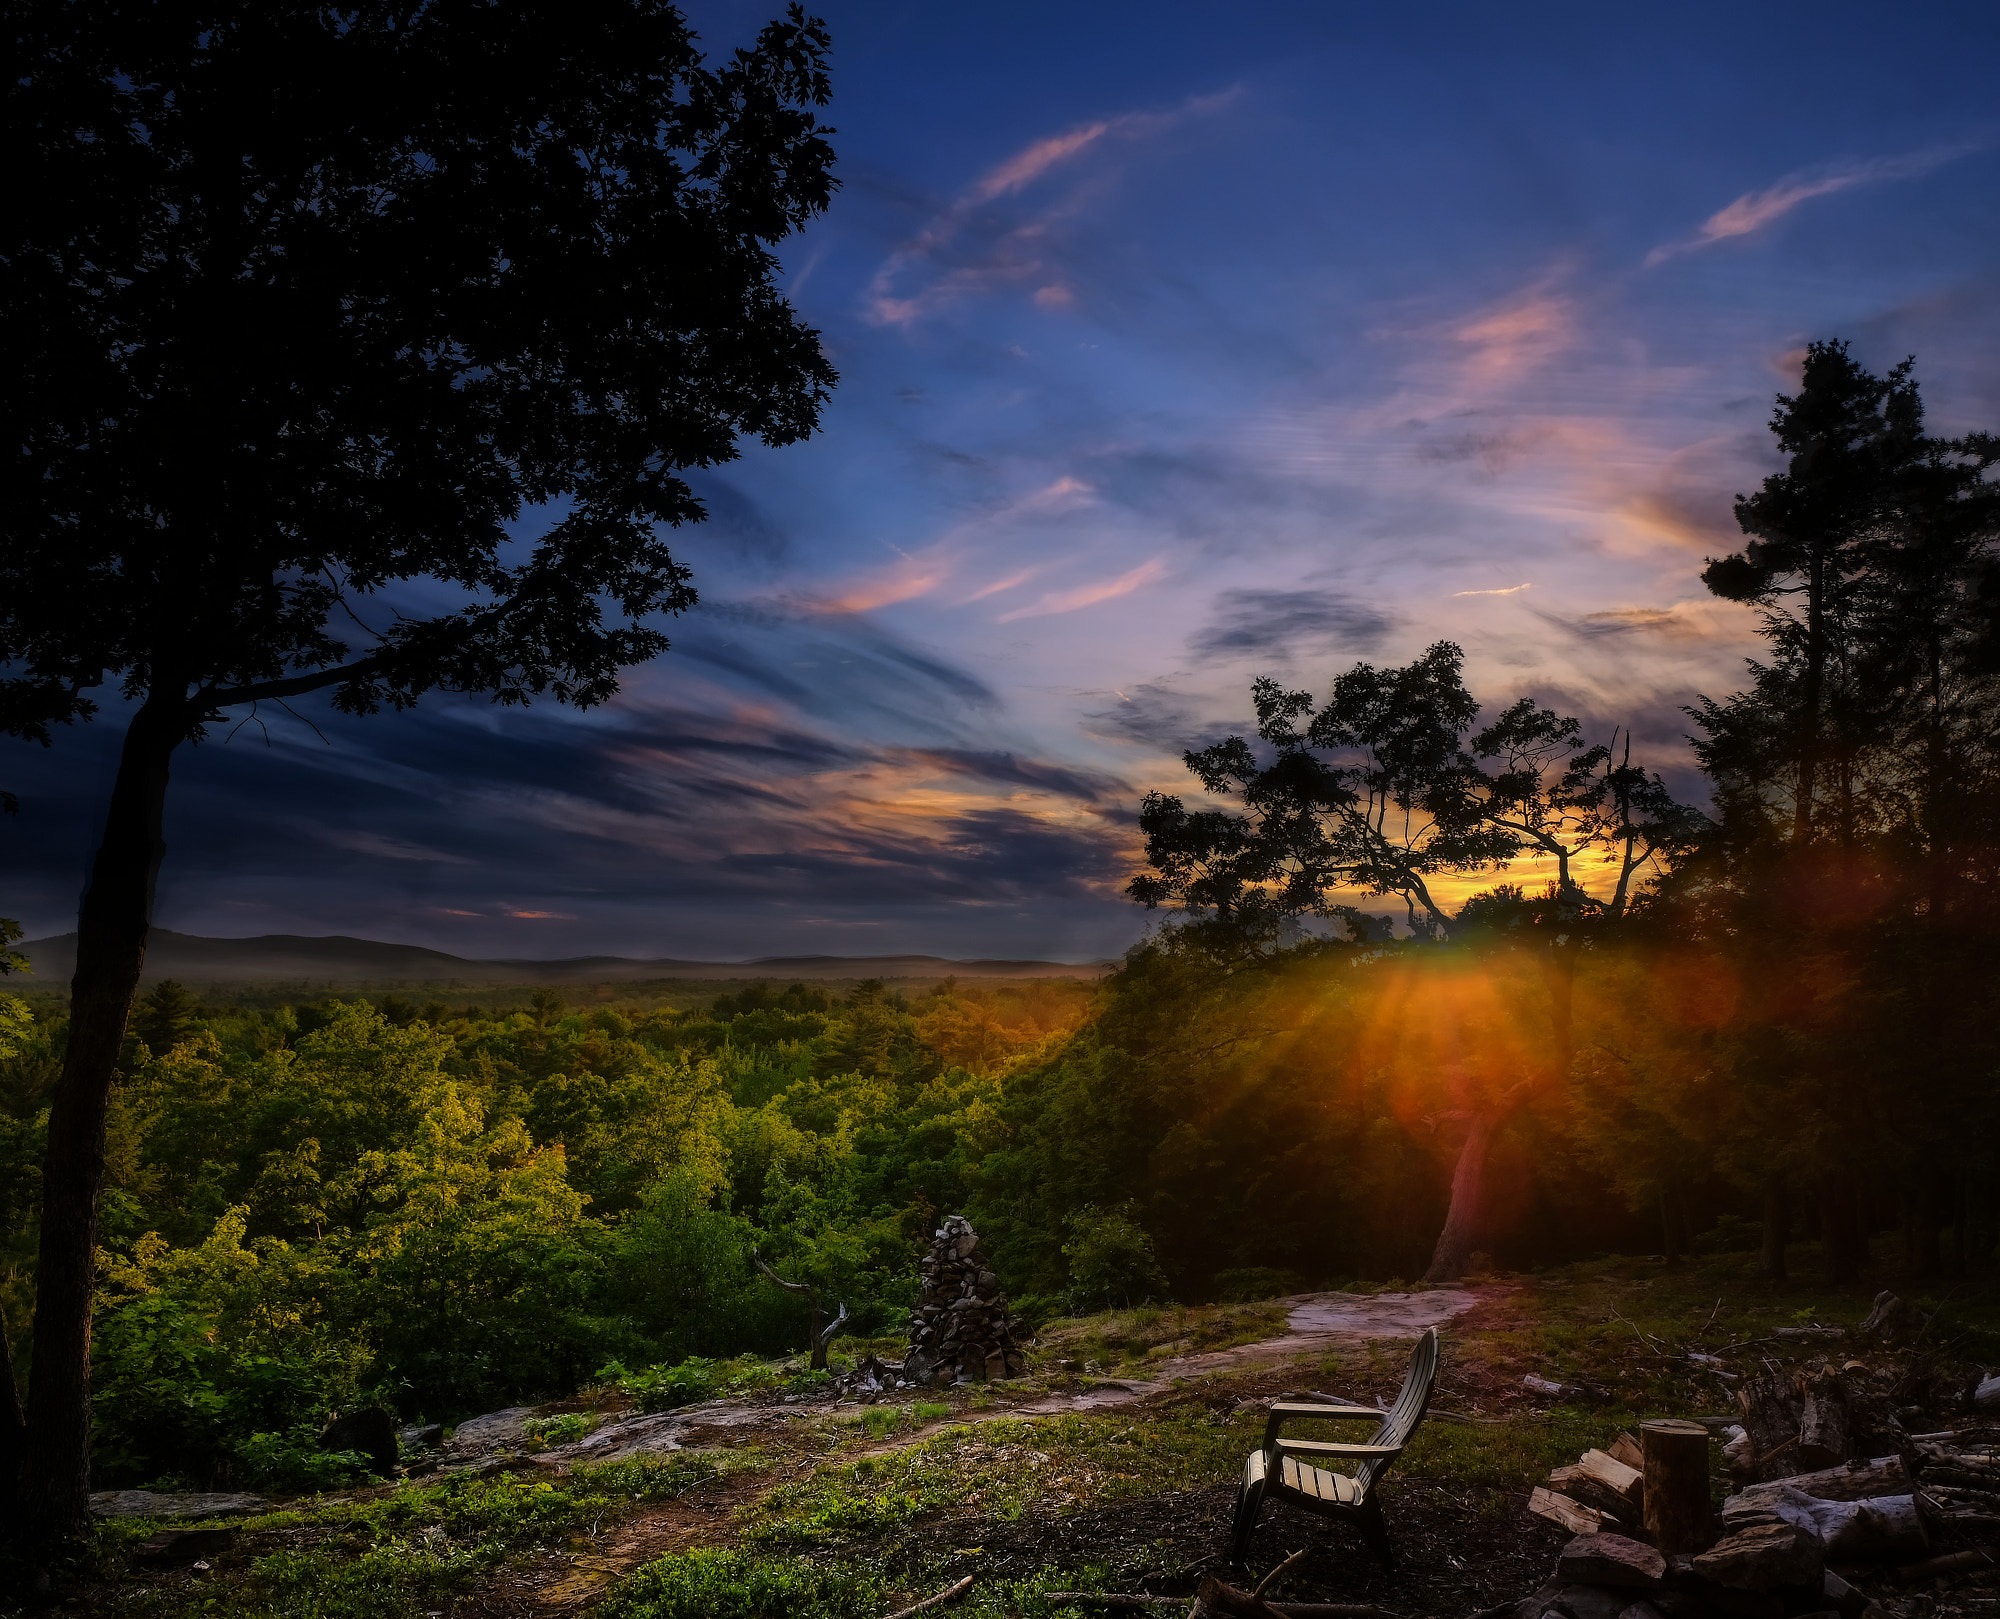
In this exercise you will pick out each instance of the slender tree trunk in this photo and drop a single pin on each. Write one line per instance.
(1809, 721)
(110, 950)
(1771, 1259)
(1840, 1231)
(1464, 1218)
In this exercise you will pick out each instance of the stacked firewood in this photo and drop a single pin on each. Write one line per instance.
(1604, 1489)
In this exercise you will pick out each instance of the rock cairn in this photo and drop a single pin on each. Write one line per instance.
(959, 1331)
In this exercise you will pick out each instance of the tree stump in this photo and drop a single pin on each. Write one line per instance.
(1677, 1509)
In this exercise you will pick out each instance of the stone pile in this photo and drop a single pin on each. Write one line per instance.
(959, 1331)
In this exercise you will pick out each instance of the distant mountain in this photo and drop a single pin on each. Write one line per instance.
(340, 960)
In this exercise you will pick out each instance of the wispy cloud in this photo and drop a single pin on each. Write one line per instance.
(1281, 623)
(1017, 256)
(1511, 590)
(904, 580)
(1070, 601)
(386, 848)
(1756, 209)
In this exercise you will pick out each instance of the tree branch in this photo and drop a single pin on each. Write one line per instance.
(293, 686)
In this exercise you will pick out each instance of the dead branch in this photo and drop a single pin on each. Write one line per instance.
(945, 1595)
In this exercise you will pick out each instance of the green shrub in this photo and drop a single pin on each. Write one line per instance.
(563, 1429)
(292, 1463)
(667, 1388)
(1254, 1282)
(1112, 1260)
(1731, 1234)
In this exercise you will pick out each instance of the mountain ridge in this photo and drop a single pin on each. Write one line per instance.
(341, 958)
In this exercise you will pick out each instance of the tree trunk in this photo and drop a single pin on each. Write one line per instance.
(1926, 1253)
(1771, 1258)
(1676, 1494)
(110, 950)
(1462, 1220)
(1840, 1230)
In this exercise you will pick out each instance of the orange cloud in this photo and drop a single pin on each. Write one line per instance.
(908, 579)
(1511, 590)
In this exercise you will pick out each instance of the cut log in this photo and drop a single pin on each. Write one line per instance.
(1763, 1555)
(1564, 1391)
(1572, 1515)
(1574, 1482)
(1882, 1529)
(1858, 1481)
(1986, 1396)
(1625, 1448)
(1825, 1429)
(1773, 1411)
(1628, 1484)
(1889, 1318)
(1676, 1485)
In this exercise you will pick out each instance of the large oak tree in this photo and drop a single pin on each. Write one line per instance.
(305, 305)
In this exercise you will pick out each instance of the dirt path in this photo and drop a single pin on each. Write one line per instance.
(1317, 1322)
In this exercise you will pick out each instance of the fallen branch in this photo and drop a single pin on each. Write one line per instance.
(945, 1595)
(1136, 1601)
(1952, 1563)
(1257, 1590)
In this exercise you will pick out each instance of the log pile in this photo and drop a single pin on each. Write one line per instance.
(1782, 1547)
(1604, 1489)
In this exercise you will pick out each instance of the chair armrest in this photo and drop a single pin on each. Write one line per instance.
(1319, 1447)
(1285, 1410)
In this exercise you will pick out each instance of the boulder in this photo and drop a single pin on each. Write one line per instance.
(1603, 1559)
(172, 1546)
(371, 1432)
(1763, 1555)
(421, 1436)
(494, 1429)
(155, 1504)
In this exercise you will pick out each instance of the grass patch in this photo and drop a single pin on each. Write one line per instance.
(746, 1585)
(713, 1584)
(401, 1555)
(1003, 1468)
(1119, 1336)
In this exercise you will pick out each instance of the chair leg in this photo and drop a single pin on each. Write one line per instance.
(1249, 1503)
(1375, 1528)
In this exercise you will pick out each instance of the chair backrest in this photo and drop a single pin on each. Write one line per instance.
(1401, 1420)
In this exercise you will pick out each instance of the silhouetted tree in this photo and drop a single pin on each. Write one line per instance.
(304, 307)
(1382, 792)
(1848, 877)
(165, 1017)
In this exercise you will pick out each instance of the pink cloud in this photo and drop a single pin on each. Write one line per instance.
(1756, 209)
(1070, 601)
(1017, 256)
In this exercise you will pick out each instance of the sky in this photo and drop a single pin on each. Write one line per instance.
(1178, 345)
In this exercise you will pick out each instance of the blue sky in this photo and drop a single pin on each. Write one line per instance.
(1178, 344)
